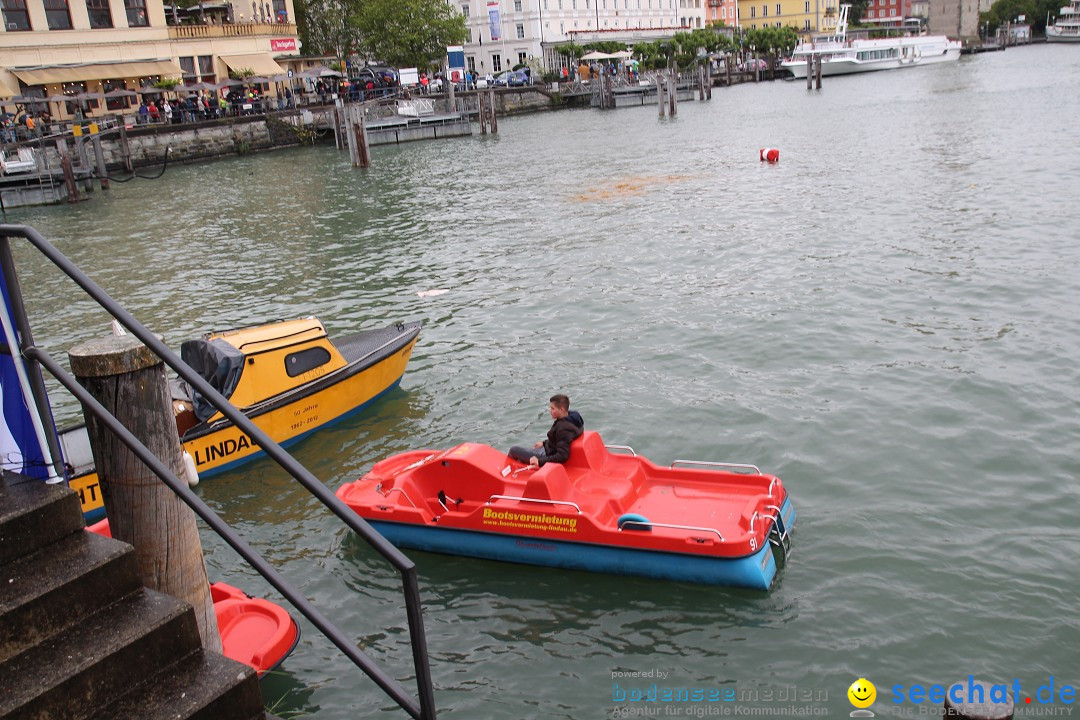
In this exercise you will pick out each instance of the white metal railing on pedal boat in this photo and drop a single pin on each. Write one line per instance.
(708, 463)
(534, 500)
(649, 524)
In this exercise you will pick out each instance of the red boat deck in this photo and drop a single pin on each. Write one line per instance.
(597, 496)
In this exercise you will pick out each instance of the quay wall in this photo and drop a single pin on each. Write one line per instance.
(202, 141)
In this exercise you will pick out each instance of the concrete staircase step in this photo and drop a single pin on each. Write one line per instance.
(201, 686)
(48, 591)
(33, 515)
(77, 671)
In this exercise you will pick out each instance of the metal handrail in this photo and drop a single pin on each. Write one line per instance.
(707, 463)
(534, 500)
(421, 709)
(651, 524)
(622, 447)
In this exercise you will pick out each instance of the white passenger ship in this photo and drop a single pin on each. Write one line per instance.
(840, 56)
(1067, 26)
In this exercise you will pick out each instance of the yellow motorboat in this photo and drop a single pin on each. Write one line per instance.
(287, 376)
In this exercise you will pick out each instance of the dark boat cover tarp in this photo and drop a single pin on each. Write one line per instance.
(219, 363)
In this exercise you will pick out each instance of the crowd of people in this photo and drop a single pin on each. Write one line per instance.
(21, 126)
(207, 105)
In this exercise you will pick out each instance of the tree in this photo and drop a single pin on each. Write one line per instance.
(323, 26)
(407, 33)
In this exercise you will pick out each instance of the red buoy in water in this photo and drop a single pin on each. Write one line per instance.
(769, 154)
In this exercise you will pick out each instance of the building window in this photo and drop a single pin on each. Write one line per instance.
(869, 13)
(807, 6)
(471, 62)
(496, 62)
(281, 15)
(117, 103)
(764, 11)
(520, 31)
(16, 16)
(521, 58)
(779, 12)
(517, 5)
(753, 12)
(187, 64)
(468, 35)
(587, 6)
(206, 69)
(57, 15)
(806, 25)
(892, 13)
(465, 10)
(100, 15)
(136, 13)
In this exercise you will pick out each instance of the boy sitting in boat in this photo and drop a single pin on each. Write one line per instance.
(567, 427)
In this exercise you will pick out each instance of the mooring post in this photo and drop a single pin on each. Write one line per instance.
(673, 93)
(660, 93)
(818, 72)
(350, 137)
(69, 171)
(481, 112)
(129, 380)
(99, 157)
(494, 120)
(125, 148)
(363, 148)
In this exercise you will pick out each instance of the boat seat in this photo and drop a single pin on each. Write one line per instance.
(550, 482)
(588, 452)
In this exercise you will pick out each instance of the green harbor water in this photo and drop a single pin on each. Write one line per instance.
(887, 319)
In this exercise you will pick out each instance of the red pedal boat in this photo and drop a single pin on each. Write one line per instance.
(602, 511)
(253, 631)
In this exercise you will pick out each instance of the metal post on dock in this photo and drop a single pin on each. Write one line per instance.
(673, 92)
(129, 380)
(336, 121)
(99, 157)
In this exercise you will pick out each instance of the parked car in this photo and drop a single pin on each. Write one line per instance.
(512, 78)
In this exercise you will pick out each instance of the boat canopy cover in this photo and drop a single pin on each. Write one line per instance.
(219, 363)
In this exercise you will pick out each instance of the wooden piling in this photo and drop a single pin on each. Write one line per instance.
(492, 120)
(68, 170)
(129, 380)
(673, 92)
(481, 112)
(810, 73)
(660, 93)
(99, 158)
(125, 148)
(817, 72)
(708, 80)
(359, 129)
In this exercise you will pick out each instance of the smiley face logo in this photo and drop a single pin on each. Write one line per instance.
(862, 693)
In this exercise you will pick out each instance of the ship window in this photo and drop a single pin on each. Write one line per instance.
(298, 363)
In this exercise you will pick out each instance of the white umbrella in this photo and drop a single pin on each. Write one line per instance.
(596, 55)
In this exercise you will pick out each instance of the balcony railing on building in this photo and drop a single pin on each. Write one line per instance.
(256, 29)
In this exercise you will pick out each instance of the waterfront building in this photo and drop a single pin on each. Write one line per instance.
(722, 11)
(805, 16)
(887, 13)
(955, 18)
(503, 33)
(61, 48)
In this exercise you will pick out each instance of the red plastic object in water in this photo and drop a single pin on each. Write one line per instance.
(253, 631)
